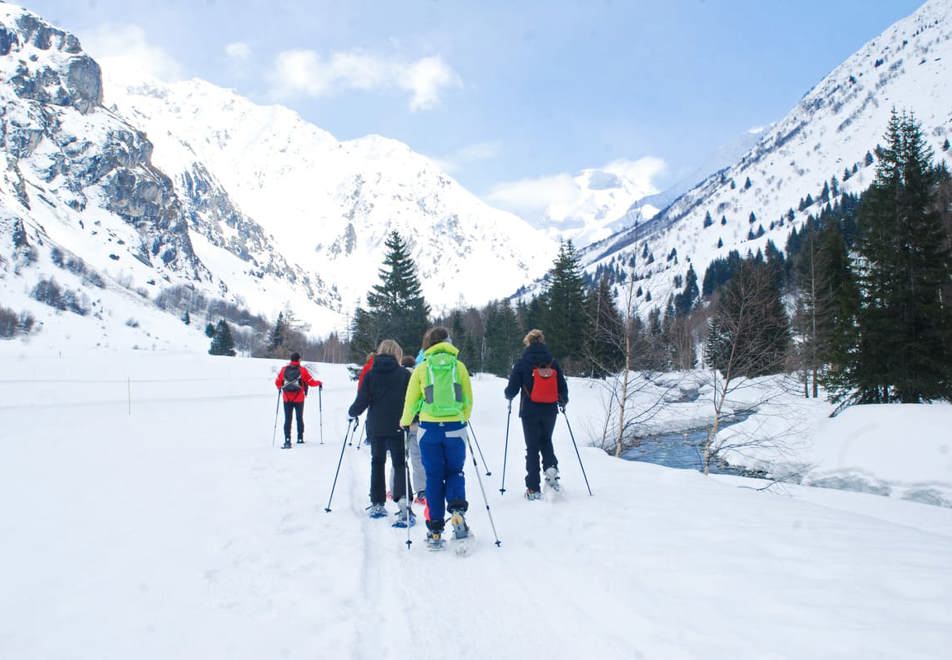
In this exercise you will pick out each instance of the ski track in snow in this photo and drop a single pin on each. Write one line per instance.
(177, 531)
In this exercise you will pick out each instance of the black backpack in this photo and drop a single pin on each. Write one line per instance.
(292, 378)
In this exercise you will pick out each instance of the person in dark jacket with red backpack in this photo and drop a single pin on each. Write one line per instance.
(293, 381)
(538, 379)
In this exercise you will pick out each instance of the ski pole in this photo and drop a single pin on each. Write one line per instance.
(562, 408)
(483, 491)
(480, 450)
(505, 452)
(320, 408)
(363, 433)
(406, 465)
(275, 431)
(339, 460)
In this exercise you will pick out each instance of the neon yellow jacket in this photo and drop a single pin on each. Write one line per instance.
(414, 399)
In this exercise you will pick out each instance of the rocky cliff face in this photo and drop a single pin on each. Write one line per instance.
(65, 153)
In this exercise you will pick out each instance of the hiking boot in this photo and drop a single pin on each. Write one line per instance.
(287, 443)
(300, 441)
(404, 518)
(552, 478)
(434, 539)
(460, 528)
(377, 511)
(533, 494)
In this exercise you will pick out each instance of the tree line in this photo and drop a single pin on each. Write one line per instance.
(857, 302)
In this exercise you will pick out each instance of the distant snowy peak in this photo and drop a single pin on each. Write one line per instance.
(822, 144)
(329, 204)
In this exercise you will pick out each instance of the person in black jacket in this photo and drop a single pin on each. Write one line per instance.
(539, 404)
(382, 391)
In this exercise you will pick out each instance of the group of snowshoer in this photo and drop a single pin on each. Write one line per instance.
(418, 411)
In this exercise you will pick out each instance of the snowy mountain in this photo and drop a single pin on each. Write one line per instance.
(175, 194)
(822, 142)
(92, 229)
(329, 204)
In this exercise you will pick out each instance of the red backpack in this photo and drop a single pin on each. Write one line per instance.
(545, 385)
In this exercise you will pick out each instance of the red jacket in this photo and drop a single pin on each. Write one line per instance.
(363, 372)
(306, 379)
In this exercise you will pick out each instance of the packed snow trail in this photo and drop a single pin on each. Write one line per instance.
(177, 531)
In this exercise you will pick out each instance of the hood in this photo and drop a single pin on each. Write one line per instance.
(442, 347)
(537, 354)
(385, 363)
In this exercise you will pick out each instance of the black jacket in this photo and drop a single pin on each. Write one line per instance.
(383, 390)
(520, 382)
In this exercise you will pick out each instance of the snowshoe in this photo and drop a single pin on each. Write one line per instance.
(377, 511)
(533, 495)
(552, 478)
(434, 540)
(287, 443)
(404, 519)
(462, 535)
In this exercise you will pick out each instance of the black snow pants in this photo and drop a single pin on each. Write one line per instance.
(379, 446)
(289, 407)
(538, 433)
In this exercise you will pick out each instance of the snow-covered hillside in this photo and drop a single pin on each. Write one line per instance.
(827, 135)
(188, 191)
(330, 204)
(83, 204)
(171, 528)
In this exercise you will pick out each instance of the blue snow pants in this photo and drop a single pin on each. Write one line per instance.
(443, 450)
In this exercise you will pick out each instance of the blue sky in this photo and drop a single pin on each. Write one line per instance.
(503, 92)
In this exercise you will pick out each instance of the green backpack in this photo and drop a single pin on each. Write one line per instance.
(442, 391)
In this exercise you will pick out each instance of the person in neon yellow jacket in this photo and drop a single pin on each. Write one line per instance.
(441, 394)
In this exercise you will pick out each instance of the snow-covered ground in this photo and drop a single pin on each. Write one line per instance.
(900, 451)
(171, 528)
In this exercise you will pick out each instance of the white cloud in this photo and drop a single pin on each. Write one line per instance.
(238, 51)
(127, 57)
(306, 72)
(531, 198)
(470, 153)
(607, 190)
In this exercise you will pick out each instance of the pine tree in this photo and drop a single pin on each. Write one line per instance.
(209, 330)
(685, 300)
(946, 145)
(502, 338)
(903, 353)
(186, 318)
(565, 321)
(277, 340)
(606, 334)
(395, 306)
(708, 220)
(222, 343)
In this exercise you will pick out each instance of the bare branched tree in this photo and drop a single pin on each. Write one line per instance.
(748, 336)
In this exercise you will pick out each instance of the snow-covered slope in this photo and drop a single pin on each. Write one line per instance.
(171, 528)
(827, 135)
(82, 203)
(330, 204)
(188, 192)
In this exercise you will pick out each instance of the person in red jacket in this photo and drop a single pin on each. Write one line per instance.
(293, 381)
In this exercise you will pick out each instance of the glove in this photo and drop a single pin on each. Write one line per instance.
(562, 406)
(320, 386)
